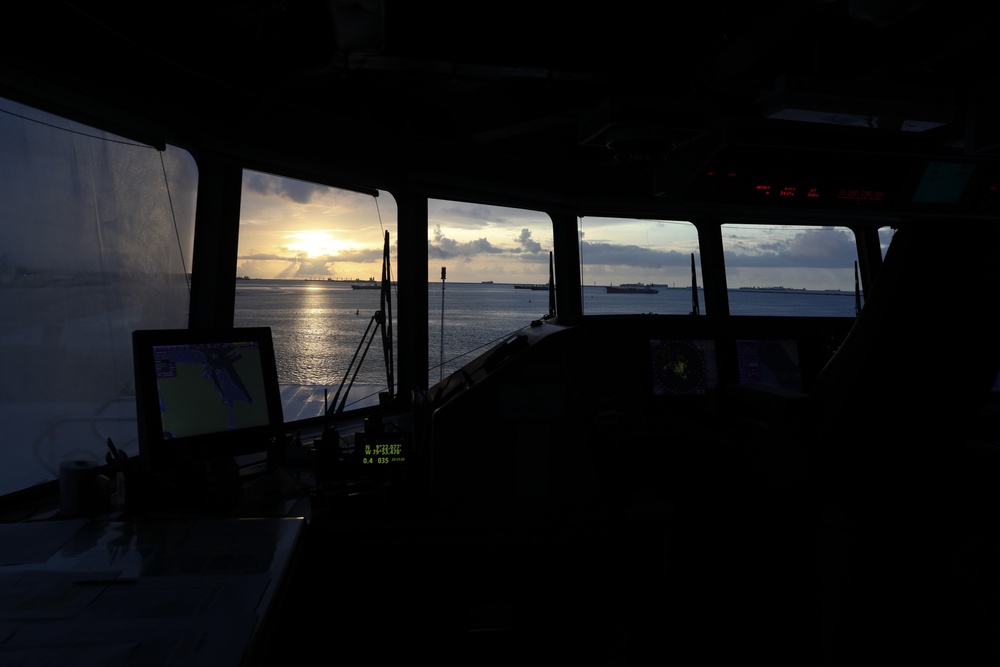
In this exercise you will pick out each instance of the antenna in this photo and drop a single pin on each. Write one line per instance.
(444, 271)
(857, 291)
(552, 288)
(386, 305)
(694, 289)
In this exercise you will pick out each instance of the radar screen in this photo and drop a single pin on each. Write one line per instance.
(683, 367)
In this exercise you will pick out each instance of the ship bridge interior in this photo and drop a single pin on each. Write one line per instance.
(533, 98)
(562, 503)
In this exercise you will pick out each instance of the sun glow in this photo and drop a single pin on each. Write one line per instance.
(313, 243)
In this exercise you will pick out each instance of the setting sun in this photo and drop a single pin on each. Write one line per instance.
(313, 243)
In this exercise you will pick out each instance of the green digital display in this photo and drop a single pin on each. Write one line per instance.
(382, 453)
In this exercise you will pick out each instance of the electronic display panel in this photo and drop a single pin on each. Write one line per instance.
(769, 361)
(380, 455)
(943, 183)
(202, 394)
(683, 367)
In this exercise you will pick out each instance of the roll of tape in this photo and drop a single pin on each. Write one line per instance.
(78, 493)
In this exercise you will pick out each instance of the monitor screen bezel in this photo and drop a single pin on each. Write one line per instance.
(157, 453)
(754, 347)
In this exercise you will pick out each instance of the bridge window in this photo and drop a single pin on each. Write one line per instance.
(305, 253)
(790, 270)
(496, 272)
(96, 241)
(638, 266)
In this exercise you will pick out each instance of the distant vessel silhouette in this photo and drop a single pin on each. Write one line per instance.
(634, 288)
(371, 284)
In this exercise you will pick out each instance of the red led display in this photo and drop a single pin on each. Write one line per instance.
(860, 194)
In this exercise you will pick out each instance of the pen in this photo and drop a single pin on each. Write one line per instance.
(114, 454)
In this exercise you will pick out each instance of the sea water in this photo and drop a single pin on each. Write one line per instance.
(324, 330)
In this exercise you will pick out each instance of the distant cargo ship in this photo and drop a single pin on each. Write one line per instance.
(634, 288)
(371, 284)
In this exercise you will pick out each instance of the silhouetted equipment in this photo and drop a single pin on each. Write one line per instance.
(381, 320)
(695, 310)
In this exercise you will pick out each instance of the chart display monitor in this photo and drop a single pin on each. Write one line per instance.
(204, 394)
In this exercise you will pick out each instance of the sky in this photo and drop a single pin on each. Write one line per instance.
(296, 230)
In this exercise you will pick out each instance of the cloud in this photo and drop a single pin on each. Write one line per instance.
(297, 191)
(631, 255)
(467, 216)
(362, 255)
(314, 268)
(527, 244)
(294, 257)
(290, 267)
(826, 248)
(442, 247)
